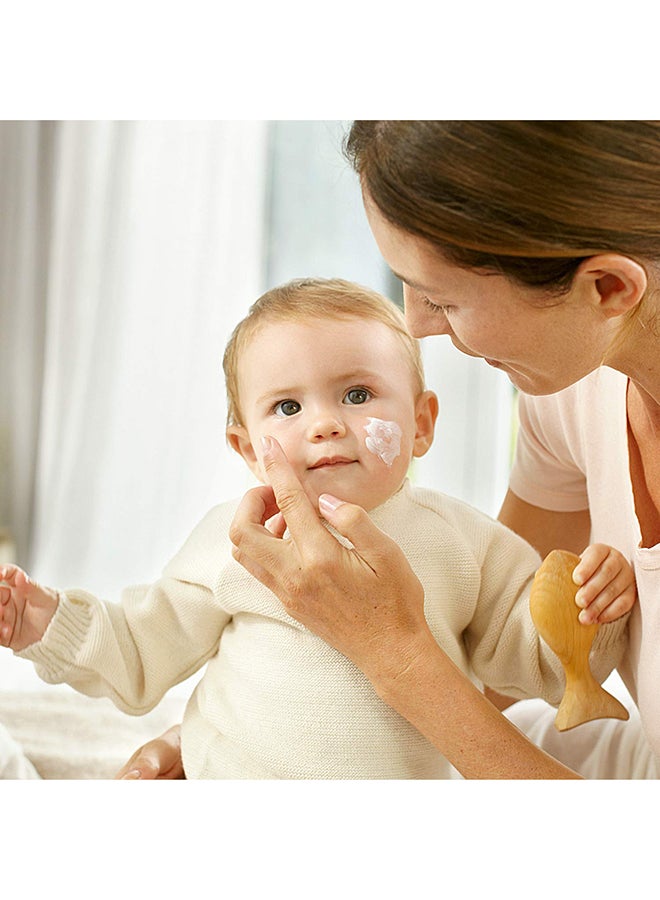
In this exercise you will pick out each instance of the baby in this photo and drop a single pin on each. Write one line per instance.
(329, 369)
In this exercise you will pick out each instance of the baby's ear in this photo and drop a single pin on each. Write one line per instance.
(239, 440)
(426, 412)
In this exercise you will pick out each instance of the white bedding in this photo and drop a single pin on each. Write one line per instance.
(58, 734)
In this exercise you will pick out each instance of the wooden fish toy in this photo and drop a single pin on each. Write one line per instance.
(555, 614)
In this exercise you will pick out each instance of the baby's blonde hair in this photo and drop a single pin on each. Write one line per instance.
(314, 298)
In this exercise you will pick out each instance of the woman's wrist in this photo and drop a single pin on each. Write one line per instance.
(416, 678)
(394, 659)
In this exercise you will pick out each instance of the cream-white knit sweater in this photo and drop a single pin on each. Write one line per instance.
(275, 701)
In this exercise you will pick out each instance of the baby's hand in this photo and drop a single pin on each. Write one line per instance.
(608, 590)
(25, 609)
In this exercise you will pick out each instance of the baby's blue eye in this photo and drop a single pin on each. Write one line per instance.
(356, 396)
(287, 408)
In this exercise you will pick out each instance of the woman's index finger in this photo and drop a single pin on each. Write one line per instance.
(294, 504)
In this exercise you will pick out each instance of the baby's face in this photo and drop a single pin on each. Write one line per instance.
(340, 398)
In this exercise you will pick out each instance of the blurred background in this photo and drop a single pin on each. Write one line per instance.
(128, 252)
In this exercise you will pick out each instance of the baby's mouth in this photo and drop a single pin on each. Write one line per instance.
(331, 462)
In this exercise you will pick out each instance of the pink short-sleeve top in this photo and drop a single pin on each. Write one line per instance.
(572, 454)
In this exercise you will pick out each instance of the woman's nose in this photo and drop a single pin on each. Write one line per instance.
(421, 320)
(326, 426)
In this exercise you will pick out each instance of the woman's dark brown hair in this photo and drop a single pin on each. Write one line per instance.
(530, 200)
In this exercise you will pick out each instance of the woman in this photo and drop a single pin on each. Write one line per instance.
(534, 245)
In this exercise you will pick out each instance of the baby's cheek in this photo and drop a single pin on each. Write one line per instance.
(383, 439)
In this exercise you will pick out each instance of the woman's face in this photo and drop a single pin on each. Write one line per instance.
(543, 343)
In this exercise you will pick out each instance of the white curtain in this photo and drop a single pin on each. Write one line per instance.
(128, 251)
(25, 152)
(132, 251)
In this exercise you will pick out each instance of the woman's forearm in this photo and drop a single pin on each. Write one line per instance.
(443, 704)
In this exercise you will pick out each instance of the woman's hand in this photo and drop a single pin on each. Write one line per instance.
(368, 604)
(160, 758)
(364, 601)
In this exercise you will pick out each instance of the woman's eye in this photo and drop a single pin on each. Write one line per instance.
(435, 307)
(357, 396)
(287, 408)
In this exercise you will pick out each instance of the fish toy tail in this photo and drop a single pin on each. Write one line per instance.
(583, 704)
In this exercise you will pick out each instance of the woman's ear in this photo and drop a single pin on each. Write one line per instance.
(426, 412)
(239, 440)
(616, 282)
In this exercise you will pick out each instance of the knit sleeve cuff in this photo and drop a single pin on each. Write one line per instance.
(611, 634)
(609, 647)
(58, 649)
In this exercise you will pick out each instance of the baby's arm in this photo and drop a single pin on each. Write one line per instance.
(505, 648)
(26, 608)
(607, 584)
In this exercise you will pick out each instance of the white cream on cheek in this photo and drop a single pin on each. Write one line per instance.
(383, 439)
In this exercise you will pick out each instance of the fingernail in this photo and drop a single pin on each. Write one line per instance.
(133, 775)
(579, 599)
(328, 503)
(266, 444)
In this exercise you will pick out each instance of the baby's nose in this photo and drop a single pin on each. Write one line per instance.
(325, 427)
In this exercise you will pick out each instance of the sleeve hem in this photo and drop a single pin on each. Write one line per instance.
(557, 501)
(62, 640)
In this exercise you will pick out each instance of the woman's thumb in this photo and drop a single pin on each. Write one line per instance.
(353, 523)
